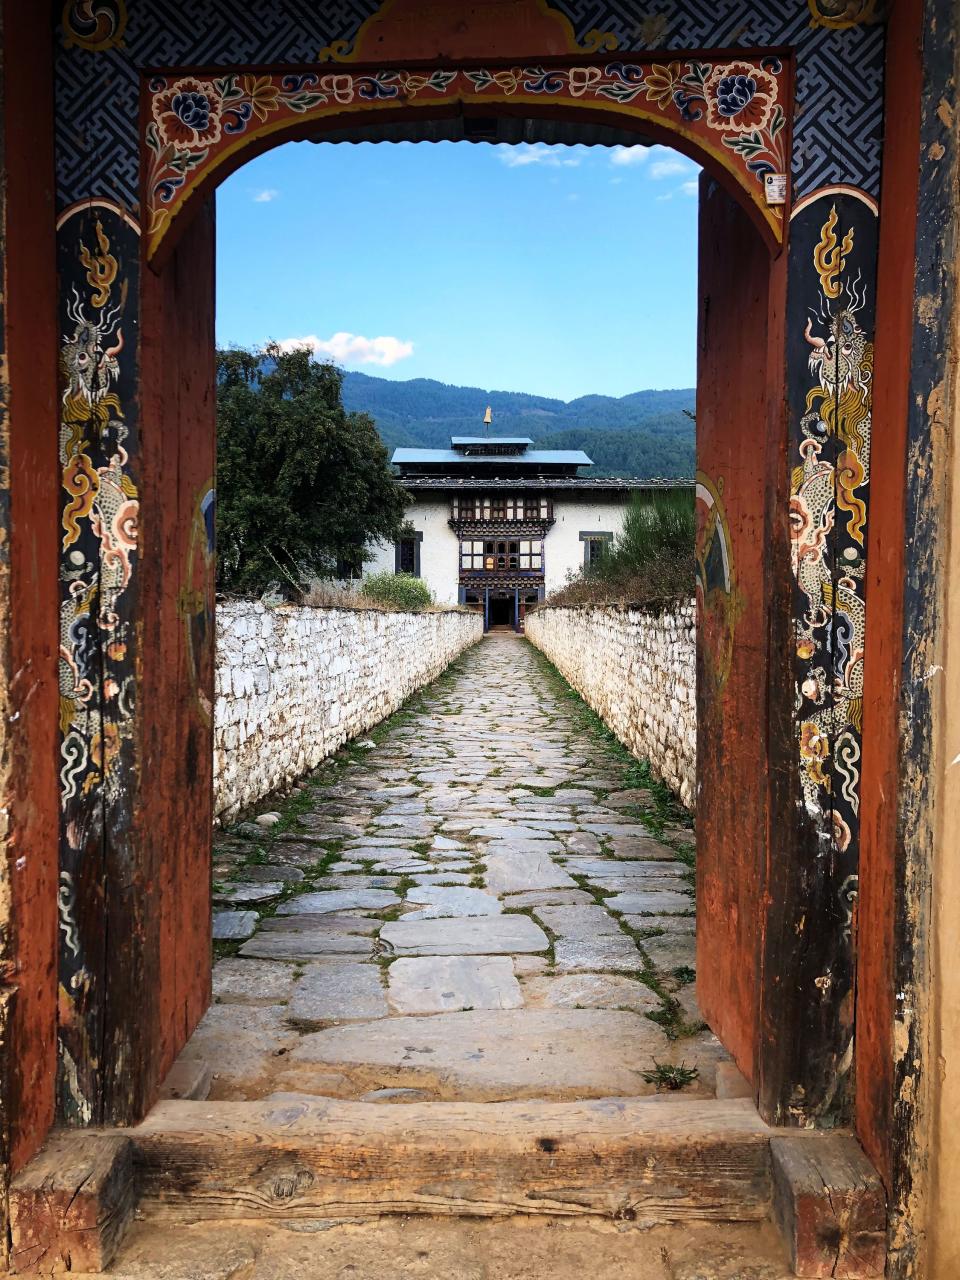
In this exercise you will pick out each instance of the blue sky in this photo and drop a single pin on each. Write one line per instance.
(558, 271)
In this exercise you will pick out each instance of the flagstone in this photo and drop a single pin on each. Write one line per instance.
(672, 951)
(359, 880)
(233, 926)
(337, 922)
(438, 902)
(298, 853)
(602, 952)
(516, 1053)
(590, 991)
(252, 981)
(442, 877)
(585, 842)
(625, 866)
(657, 901)
(476, 935)
(268, 872)
(303, 945)
(338, 992)
(237, 892)
(319, 828)
(548, 897)
(439, 984)
(515, 871)
(579, 922)
(339, 900)
(669, 924)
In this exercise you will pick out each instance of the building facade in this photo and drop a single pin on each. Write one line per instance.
(498, 524)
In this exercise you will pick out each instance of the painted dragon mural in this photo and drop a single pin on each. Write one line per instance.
(99, 526)
(828, 513)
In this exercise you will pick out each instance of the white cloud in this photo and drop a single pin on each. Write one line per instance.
(526, 153)
(690, 188)
(265, 196)
(629, 155)
(351, 348)
(669, 167)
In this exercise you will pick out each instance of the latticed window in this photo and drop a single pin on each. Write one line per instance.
(530, 554)
(595, 547)
(536, 508)
(501, 555)
(471, 555)
(408, 556)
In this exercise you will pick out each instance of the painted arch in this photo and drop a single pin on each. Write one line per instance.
(729, 114)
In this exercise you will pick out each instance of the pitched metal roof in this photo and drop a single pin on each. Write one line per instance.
(536, 457)
(455, 440)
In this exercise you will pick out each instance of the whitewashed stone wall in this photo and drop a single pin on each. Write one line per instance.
(293, 684)
(638, 672)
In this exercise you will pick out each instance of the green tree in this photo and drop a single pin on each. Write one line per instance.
(301, 483)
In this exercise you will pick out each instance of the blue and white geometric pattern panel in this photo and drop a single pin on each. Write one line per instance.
(837, 133)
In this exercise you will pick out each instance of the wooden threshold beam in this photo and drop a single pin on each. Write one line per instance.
(660, 1159)
(830, 1206)
(71, 1205)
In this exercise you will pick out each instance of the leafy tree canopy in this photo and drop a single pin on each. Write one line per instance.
(301, 483)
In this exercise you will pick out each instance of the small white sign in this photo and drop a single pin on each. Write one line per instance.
(775, 188)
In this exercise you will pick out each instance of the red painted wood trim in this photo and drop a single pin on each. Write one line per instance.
(885, 570)
(31, 344)
(175, 815)
(734, 447)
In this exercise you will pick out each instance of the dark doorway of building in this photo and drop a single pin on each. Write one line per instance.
(502, 612)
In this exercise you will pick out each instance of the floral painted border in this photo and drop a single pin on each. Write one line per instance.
(732, 109)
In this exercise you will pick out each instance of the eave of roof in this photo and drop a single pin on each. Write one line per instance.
(467, 440)
(448, 457)
(621, 484)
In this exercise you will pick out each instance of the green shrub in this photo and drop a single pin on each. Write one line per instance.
(654, 531)
(401, 590)
(651, 561)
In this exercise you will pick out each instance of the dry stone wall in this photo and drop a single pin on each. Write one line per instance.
(293, 684)
(638, 671)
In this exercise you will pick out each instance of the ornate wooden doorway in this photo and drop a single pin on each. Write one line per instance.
(786, 329)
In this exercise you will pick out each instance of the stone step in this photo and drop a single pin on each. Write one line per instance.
(298, 1157)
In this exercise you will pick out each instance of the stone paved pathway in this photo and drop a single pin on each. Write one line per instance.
(474, 907)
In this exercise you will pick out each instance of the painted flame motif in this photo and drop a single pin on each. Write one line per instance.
(829, 257)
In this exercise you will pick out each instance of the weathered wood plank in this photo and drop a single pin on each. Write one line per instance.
(831, 1207)
(72, 1204)
(176, 583)
(661, 1159)
(734, 440)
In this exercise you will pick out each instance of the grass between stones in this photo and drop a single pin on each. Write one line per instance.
(665, 811)
(552, 936)
(665, 1076)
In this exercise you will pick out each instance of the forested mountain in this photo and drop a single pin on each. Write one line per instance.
(647, 433)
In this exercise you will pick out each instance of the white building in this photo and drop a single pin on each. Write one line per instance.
(497, 523)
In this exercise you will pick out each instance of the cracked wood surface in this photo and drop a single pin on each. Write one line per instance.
(661, 1159)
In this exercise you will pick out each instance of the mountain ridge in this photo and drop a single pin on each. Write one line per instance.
(644, 433)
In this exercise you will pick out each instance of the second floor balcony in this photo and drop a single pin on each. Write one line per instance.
(501, 509)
